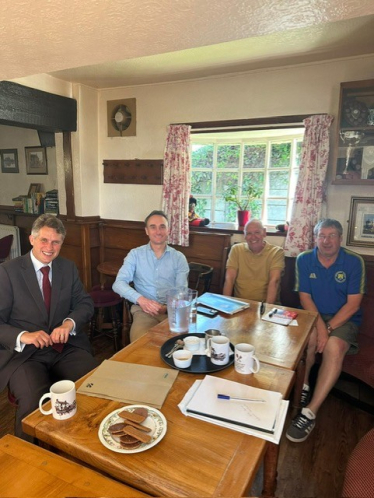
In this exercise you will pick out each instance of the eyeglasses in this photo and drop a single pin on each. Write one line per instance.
(331, 236)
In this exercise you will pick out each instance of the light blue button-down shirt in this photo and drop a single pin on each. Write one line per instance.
(152, 277)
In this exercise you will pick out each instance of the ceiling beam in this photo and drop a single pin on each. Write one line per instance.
(29, 108)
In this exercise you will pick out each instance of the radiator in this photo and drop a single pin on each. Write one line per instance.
(15, 250)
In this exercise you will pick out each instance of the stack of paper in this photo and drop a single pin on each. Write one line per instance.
(261, 419)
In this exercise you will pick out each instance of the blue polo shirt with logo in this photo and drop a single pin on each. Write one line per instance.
(329, 287)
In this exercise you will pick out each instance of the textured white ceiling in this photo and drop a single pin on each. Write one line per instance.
(122, 42)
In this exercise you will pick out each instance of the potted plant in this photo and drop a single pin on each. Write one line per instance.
(244, 198)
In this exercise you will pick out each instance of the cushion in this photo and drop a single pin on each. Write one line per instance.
(358, 480)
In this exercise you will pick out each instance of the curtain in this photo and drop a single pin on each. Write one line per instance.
(177, 182)
(309, 194)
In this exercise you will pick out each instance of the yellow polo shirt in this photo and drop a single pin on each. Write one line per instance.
(253, 269)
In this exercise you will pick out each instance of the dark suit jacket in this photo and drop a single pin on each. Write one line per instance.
(22, 308)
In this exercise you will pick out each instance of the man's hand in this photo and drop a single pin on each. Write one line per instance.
(39, 339)
(61, 334)
(151, 307)
(322, 338)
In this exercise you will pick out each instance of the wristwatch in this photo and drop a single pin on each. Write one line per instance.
(329, 328)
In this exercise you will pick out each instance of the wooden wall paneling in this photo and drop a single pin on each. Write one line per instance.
(206, 248)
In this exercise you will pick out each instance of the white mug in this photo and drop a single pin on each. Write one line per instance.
(63, 400)
(219, 347)
(245, 359)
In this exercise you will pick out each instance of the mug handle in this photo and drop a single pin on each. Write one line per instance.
(255, 359)
(45, 412)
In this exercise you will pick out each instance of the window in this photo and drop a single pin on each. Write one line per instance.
(267, 158)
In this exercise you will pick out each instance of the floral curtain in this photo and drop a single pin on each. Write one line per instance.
(177, 182)
(309, 195)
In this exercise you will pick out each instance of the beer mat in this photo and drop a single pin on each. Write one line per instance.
(200, 362)
(129, 383)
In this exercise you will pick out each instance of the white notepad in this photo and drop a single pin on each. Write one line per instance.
(253, 415)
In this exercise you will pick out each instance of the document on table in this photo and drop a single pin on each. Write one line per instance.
(129, 383)
(264, 420)
(281, 317)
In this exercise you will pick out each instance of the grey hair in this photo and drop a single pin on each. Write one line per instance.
(156, 213)
(328, 223)
(253, 220)
(50, 221)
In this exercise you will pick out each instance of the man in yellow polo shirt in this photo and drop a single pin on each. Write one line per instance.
(254, 267)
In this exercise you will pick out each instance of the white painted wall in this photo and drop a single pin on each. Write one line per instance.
(303, 89)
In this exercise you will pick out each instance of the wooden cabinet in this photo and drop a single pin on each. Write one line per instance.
(353, 161)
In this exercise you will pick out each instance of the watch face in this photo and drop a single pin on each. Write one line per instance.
(355, 112)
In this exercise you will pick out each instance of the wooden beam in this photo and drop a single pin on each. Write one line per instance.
(29, 108)
(69, 178)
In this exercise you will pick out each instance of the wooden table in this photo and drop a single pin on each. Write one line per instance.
(276, 345)
(194, 458)
(27, 470)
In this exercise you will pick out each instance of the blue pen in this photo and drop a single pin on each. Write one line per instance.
(273, 312)
(232, 398)
(262, 308)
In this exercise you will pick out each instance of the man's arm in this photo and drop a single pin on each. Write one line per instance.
(230, 277)
(347, 311)
(181, 277)
(124, 277)
(274, 280)
(340, 318)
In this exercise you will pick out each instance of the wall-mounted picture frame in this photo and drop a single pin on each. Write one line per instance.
(34, 189)
(361, 222)
(9, 160)
(36, 161)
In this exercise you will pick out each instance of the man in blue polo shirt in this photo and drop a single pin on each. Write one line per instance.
(330, 280)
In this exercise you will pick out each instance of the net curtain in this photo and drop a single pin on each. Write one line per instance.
(309, 194)
(177, 183)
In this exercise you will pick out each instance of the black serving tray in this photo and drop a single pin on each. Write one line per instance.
(200, 362)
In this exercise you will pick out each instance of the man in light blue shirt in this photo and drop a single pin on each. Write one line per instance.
(153, 269)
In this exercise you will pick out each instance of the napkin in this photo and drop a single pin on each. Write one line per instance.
(129, 383)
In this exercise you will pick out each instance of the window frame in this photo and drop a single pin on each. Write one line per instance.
(291, 134)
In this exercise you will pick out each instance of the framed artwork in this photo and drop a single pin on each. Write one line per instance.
(34, 188)
(9, 161)
(361, 222)
(36, 161)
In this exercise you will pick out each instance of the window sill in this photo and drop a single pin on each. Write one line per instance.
(231, 228)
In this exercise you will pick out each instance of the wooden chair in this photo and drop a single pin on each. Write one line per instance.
(200, 277)
(5, 247)
(106, 302)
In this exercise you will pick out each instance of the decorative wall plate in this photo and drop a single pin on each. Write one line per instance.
(355, 112)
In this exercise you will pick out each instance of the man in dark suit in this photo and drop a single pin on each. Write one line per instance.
(43, 307)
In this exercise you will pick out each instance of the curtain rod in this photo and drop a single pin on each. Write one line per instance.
(254, 122)
(247, 128)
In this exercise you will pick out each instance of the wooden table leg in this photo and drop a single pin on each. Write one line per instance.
(270, 470)
(299, 382)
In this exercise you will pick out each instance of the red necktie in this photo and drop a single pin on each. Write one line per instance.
(46, 287)
(47, 290)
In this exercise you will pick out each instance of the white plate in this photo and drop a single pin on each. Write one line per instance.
(155, 421)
